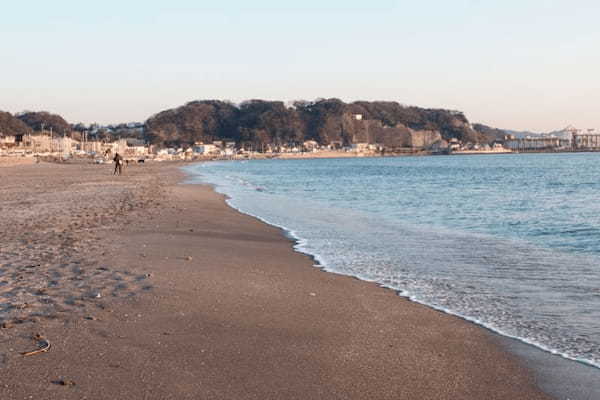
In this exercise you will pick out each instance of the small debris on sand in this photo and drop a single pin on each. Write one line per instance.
(64, 382)
(43, 344)
(6, 325)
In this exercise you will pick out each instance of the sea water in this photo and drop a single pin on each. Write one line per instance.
(511, 242)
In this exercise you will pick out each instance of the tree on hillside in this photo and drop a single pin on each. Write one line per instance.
(257, 123)
(195, 121)
(490, 134)
(10, 125)
(323, 119)
(43, 120)
(269, 122)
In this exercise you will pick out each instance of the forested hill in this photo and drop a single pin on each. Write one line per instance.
(259, 122)
(30, 121)
(43, 120)
(10, 125)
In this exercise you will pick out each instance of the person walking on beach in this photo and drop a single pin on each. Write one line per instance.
(118, 164)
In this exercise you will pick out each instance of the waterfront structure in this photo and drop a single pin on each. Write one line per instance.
(538, 144)
(586, 141)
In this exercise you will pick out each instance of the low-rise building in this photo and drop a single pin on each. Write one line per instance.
(205, 149)
(440, 146)
(360, 147)
(310, 145)
(586, 141)
(7, 140)
(537, 144)
(454, 145)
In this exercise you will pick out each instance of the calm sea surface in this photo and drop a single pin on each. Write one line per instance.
(509, 241)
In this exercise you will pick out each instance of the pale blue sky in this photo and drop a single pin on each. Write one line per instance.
(513, 64)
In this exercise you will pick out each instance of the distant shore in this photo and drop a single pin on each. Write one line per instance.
(147, 288)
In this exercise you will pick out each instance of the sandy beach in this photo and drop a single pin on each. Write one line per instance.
(6, 161)
(146, 288)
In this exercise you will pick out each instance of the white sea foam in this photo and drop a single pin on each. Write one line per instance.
(503, 284)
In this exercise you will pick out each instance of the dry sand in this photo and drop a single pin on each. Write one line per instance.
(149, 289)
(11, 161)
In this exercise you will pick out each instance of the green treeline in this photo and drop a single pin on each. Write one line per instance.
(256, 123)
(260, 122)
(29, 121)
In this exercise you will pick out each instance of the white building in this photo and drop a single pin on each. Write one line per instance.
(454, 144)
(360, 147)
(310, 145)
(205, 149)
(537, 143)
(8, 139)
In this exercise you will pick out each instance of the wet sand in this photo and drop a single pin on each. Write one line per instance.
(150, 289)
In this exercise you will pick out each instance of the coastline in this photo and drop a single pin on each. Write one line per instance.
(235, 312)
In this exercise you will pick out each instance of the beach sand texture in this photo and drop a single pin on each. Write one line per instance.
(150, 289)
(6, 161)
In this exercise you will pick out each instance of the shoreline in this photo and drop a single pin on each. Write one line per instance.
(235, 312)
(298, 243)
(530, 353)
(549, 366)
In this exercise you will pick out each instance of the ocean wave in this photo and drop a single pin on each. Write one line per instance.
(493, 258)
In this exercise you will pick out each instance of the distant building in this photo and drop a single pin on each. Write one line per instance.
(7, 140)
(439, 146)
(64, 145)
(586, 141)
(454, 145)
(360, 147)
(92, 146)
(135, 147)
(537, 144)
(335, 145)
(119, 146)
(310, 145)
(133, 142)
(229, 149)
(205, 149)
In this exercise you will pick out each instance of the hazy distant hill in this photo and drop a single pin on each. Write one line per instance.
(561, 133)
(260, 122)
(490, 133)
(523, 134)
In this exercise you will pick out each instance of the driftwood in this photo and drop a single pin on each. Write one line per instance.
(43, 343)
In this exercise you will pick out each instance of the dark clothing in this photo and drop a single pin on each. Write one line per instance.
(118, 164)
